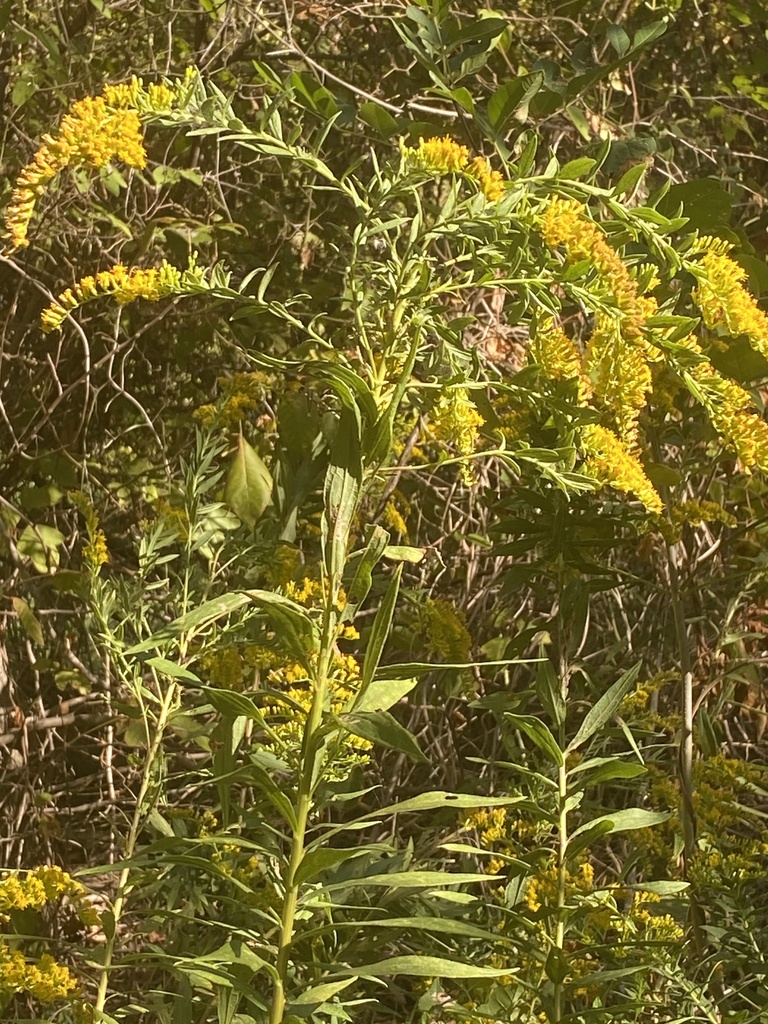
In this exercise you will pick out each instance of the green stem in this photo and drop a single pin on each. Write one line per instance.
(139, 815)
(304, 803)
(562, 873)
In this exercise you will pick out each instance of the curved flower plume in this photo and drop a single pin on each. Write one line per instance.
(558, 357)
(723, 299)
(446, 156)
(95, 131)
(124, 284)
(612, 463)
(742, 431)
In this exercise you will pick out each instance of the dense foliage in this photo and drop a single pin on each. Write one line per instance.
(382, 512)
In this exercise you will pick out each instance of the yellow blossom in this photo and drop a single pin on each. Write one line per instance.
(565, 223)
(612, 463)
(446, 631)
(620, 374)
(443, 156)
(558, 357)
(455, 420)
(124, 284)
(723, 299)
(93, 132)
(490, 182)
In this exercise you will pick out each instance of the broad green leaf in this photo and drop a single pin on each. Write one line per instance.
(412, 880)
(342, 492)
(383, 729)
(28, 619)
(511, 100)
(172, 669)
(41, 545)
(249, 484)
(606, 707)
(378, 118)
(364, 564)
(321, 993)
(630, 179)
(232, 704)
(577, 168)
(626, 820)
(426, 967)
(382, 694)
(380, 629)
(537, 731)
(403, 553)
(322, 859)
(203, 615)
(293, 625)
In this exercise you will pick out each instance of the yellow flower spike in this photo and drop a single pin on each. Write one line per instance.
(124, 284)
(612, 463)
(723, 299)
(620, 374)
(490, 182)
(558, 356)
(444, 156)
(93, 132)
(564, 223)
(455, 420)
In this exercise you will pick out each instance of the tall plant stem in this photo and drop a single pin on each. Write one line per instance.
(137, 821)
(562, 871)
(307, 780)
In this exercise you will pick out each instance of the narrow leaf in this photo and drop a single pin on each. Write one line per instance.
(605, 708)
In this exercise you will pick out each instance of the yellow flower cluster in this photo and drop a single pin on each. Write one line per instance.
(225, 668)
(542, 888)
(455, 420)
(446, 156)
(612, 463)
(620, 375)
(242, 394)
(558, 357)
(95, 131)
(393, 518)
(287, 722)
(723, 299)
(95, 550)
(125, 284)
(564, 223)
(490, 182)
(35, 888)
(446, 632)
(46, 981)
(727, 404)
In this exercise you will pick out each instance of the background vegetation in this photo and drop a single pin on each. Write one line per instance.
(544, 645)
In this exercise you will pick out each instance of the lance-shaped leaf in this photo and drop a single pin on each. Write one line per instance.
(605, 708)
(249, 484)
(382, 728)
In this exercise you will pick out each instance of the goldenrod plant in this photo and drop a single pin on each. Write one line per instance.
(282, 655)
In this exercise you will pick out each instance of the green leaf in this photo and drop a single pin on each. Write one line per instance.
(403, 553)
(601, 769)
(379, 119)
(412, 880)
(41, 545)
(291, 622)
(618, 39)
(537, 731)
(249, 484)
(577, 168)
(172, 669)
(629, 180)
(343, 483)
(322, 859)
(320, 993)
(380, 630)
(382, 728)
(511, 100)
(233, 704)
(365, 562)
(206, 613)
(626, 820)
(382, 694)
(606, 707)
(426, 967)
(28, 619)
(739, 361)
